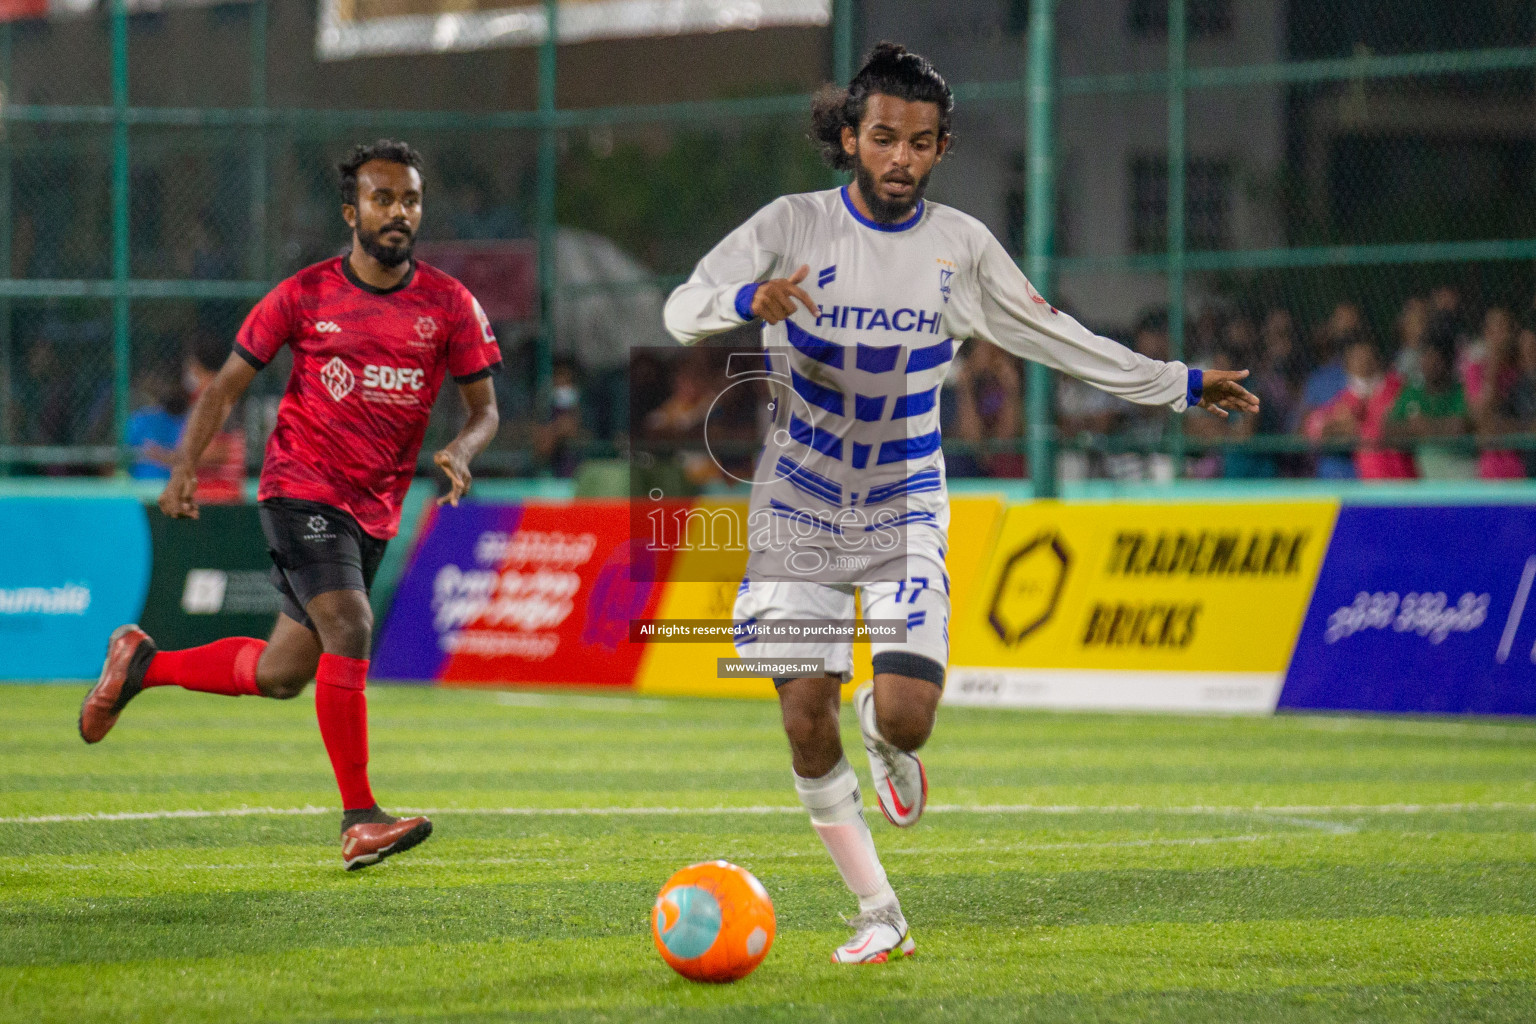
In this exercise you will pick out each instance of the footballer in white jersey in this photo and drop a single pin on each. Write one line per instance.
(867, 293)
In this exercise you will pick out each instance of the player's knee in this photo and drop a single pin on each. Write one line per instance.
(809, 729)
(347, 632)
(906, 728)
(281, 689)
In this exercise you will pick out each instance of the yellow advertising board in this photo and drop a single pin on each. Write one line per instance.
(691, 668)
(1175, 606)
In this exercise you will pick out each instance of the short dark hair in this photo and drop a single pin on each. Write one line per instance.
(1440, 336)
(394, 151)
(890, 69)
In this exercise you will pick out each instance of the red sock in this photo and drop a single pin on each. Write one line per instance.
(343, 713)
(224, 666)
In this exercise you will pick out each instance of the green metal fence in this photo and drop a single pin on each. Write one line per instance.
(95, 297)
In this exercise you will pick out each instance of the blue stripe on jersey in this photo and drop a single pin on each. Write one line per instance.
(914, 405)
(819, 349)
(917, 483)
(915, 619)
(823, 441)
(790, 512)
(809, 481)
(908, 448)
(869, 407)
(902, 520)
(860, 455)
(741, 628)
(931, 356)
(816, 394)
(877, 358)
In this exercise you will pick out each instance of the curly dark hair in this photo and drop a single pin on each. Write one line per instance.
(384, 149)
(890, 69)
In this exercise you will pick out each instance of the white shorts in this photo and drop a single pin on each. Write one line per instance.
(922, 599)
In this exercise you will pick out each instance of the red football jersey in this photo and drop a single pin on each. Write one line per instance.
(367, 366)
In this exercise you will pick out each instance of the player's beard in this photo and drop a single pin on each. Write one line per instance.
(388, 255)
(887, 211)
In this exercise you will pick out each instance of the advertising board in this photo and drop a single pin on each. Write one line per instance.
(74, 570)
(1422, 609)
(519, 594)
(1139, 606)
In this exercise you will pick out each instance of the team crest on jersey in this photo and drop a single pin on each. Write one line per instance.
(946, 272)
(485, 322)
(426, 328)
(337, 378)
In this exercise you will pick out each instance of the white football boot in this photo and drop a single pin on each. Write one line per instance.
(878, 935)
(900, 782)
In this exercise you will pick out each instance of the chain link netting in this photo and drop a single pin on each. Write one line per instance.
(1341, 212)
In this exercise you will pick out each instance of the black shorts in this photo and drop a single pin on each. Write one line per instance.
(316, 548)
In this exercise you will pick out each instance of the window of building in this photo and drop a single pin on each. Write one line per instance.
(1207, 204)
(1204, 17)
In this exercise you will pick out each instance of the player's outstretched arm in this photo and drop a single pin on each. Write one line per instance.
(210, 412)
(480, 398)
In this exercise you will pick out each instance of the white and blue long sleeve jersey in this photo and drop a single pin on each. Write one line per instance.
(896, 301)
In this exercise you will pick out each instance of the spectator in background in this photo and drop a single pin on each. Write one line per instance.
(1412, 324)
(1276, 378)
(154, 429)
(556, 441)
(47, 397)
(1204, 336)
(1522, 403)
(1359, 414)
(1430, 415)
(990, 406)
(1328, 378)
(221, 474)
(1490, 370)
(680, 418)
(1143, 427)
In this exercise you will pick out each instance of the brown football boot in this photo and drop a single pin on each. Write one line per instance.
(369, 842)
(122, 677)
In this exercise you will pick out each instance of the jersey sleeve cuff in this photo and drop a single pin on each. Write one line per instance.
(249, 356)
(470, 378)
(1196, 387)
(744, 299)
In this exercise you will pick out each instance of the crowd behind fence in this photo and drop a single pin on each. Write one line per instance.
(1390, 323)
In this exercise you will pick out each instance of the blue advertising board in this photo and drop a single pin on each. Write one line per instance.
(1426, 609)
(410, 646)
(73, 570)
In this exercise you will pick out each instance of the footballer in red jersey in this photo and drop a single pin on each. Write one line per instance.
(373, 334)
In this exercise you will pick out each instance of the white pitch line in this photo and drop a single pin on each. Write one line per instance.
(1193, 809)
(454, 862)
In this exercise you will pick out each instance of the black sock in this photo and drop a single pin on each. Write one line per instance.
(367, 816)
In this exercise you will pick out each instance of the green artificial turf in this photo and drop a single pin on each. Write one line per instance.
(1071, 867)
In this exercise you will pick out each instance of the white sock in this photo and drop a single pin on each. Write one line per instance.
(837, 814)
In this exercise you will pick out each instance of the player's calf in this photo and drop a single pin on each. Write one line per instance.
(901, 784)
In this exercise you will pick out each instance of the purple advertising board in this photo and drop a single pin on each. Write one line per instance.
(1422, 609)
